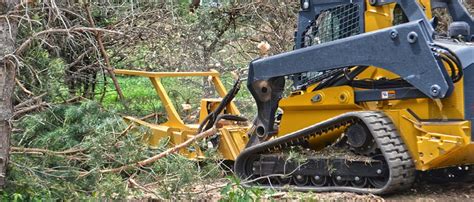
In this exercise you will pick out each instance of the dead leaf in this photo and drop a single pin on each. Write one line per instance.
(263, 47)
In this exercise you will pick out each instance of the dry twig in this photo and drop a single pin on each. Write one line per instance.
(22, 87)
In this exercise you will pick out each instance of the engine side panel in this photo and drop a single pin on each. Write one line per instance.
(469, 94)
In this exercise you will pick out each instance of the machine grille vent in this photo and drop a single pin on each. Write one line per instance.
(331, 24)
(335, 23)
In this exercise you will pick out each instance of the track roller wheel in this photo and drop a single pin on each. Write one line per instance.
(300, 180)
(283, 180)
(339, 181)
(382, 179)
(319, 181)
(359, 182)
(378, 182)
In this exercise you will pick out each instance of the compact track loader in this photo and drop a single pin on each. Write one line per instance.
(377, 96)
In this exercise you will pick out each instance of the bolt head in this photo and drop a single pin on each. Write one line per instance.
(393, 34)
(305, 5)
(379, 171)
(435, 90)
(357, 178)
(317, 98)
(412, 37)
(338, 178)
(317, 177)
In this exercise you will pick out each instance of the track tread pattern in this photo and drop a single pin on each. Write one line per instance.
(401, 166)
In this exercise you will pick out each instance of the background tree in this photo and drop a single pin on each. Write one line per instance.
(7, 81)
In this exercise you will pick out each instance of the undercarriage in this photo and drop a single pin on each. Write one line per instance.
(365, 170)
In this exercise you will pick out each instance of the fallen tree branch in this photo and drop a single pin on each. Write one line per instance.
(78, 157)
(29, 101)
(29, 109)
(169, 151)
(45, 151)
(110, 69)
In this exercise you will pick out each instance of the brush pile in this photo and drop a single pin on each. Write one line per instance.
(60, 152)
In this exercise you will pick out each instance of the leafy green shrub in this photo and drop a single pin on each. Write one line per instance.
(235, 191)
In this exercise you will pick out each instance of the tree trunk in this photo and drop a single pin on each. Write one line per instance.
(8, 31)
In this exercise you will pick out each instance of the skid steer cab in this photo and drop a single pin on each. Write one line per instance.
(230, 139)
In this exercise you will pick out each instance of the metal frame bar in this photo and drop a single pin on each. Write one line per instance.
(392, 94)
(212, 73)
(419, 66)
(174, 120)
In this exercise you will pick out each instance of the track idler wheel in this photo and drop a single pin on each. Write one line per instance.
(249, 169)
(360, 139)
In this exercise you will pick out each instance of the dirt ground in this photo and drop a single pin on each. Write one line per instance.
(421, 191)
(461, 191)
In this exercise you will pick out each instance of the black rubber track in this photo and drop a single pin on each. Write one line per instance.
(400, 164)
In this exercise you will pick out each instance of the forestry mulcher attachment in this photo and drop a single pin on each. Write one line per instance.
(377, 96)
(231, 134)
